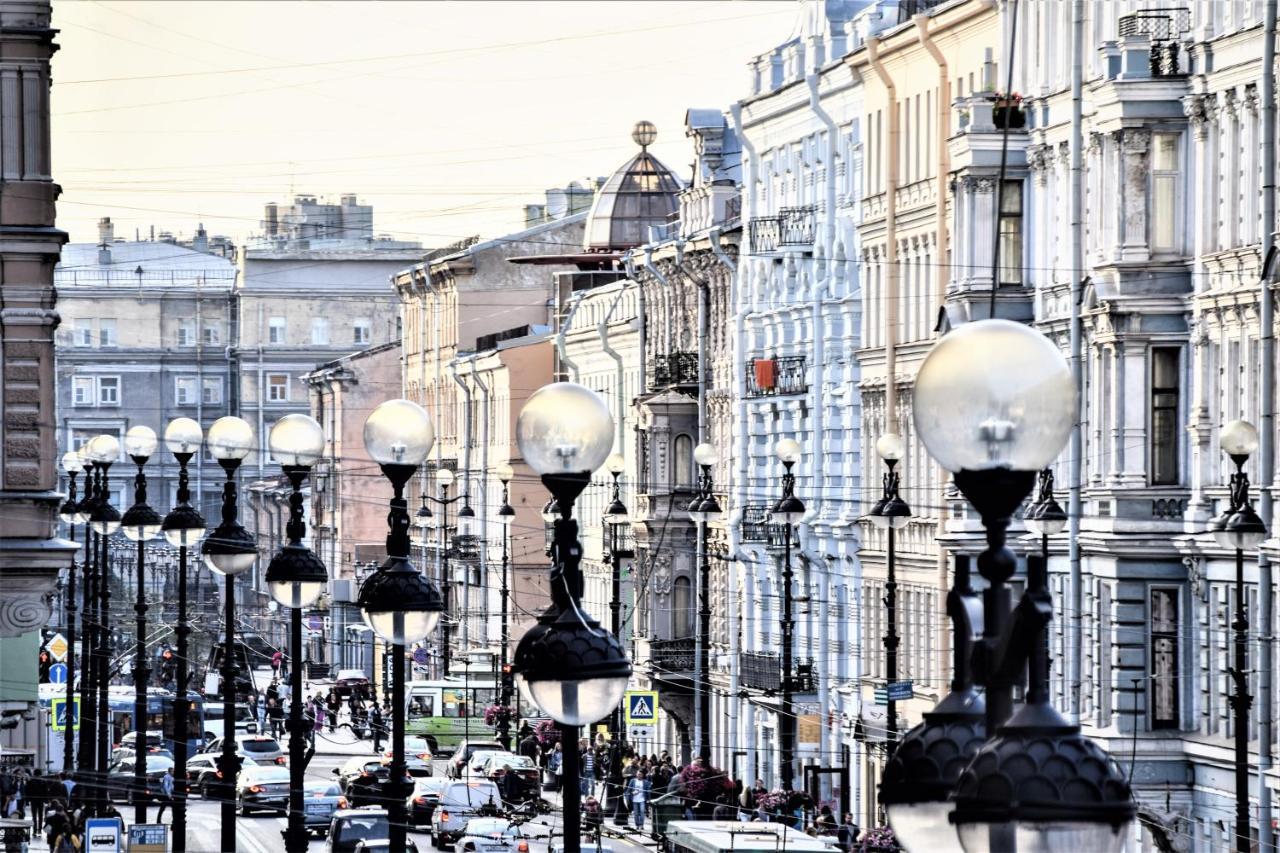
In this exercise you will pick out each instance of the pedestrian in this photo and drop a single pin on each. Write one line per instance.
(334, 703)
(847, 833)
(529, 746)
(509, 786)
(69, 785)
(56, 822)
(592, 819)
(637, 795)
(555, 763)
(37, 796)
(276, 712)
(587, 767)
(376, 728)
(825, 822)
(166, 793)
(319, 711)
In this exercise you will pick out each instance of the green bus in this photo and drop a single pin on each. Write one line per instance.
(448, 711)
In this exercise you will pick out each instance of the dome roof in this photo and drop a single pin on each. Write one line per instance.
(639, 194)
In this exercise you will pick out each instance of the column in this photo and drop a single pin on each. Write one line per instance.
(1134, 176)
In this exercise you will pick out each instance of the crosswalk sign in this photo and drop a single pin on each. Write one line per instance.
(642, 707)
(58, 707)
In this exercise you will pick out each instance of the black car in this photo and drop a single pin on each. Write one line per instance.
(350, 827)
(120, 778)
(462, 755)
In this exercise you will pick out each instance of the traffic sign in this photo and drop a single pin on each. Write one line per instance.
(58, 709)
(148, 838)
(103, 834)
(882, 695)
(58, 673)
(642, 734)
(900, 691)
(57, 647)
(642, 707)
(420, 656)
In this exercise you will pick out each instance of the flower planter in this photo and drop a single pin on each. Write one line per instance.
(1008, 113)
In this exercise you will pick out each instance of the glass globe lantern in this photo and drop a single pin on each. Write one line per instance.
(401, 607)
(444, 478)
(399, 432)
(617, 463)
(422, 518)
(1242, 530)
(891, 447)
(565, 428)
(550, 511)
(572, 669)
(1238, 439)
(141, 523)
(787, 450)
(788, 509)
(296, 577)
(230, 439)
(706, 454)
(1046, 518)
(891, 512)
(994, 394)
(69, 512)
(140, 441)
(229, 549)
(104, 518)
(506, 515)
(183, 436)
(296, 440)
(504, 473)
(466, 520)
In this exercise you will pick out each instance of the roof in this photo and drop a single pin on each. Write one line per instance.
(642, 192)
(160, 262)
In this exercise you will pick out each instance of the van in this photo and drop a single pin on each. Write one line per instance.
(460, 801)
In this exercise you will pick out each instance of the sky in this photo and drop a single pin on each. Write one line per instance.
(447, 117)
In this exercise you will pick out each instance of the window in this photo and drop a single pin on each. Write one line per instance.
(682, 462)
(187, 334)
(277, 387)
(361, 331)
(1011, 234)
(212, 334)
(1164, 415)
(212, 390)
(84, 333)
(320, 331)
(1164, 192)
(184, 390)
(681, 608)
(82, 391)
(108, 390)
(275, 330)
(106, 332)
(1164, 658)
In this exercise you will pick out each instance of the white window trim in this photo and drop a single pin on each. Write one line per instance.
(215, 382)
(191, 378)
(90, 384)
(114, 329)
(274, 323)
(119, 392)
(320, 331)
(288, 382)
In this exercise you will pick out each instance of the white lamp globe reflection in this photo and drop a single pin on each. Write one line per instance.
(399, 432)
(183, 435)
(297, 441)
(140, 442)
(565, 428)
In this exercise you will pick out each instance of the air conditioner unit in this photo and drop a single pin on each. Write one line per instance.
(344, 590)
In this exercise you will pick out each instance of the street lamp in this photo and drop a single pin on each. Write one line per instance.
(105, 520)
(616, 518)
(400, 604)
(993, 404)
(568, 666)
(183, 527)
(228, 551)
(787, 511)
(69, 512)
(444, 479)
(506, 515)
(296, 577)
(88, 751)
(141, 524)
(1240, 528)
(891, 514)
(703, 508)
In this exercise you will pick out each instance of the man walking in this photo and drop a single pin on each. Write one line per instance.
(165, 797)
(375, 727)
(38, 794)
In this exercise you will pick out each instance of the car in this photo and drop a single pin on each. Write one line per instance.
(475, 764)
(349, 827)
(356, 767)
(467, 748)
(493, 835)
(349, 681)
(417, 755)
(383, 845)
(263, 748)
(522, 766)
(155, 740)
(459, 803)
(120, 778)
(557, 846)
(320, 800)
(246, 722)
(262, 788)
(203, 772)
(423, 800)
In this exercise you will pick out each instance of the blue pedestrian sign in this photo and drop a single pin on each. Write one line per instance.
(58, 708)
(58, 673)
(642, 707)
(900, 691)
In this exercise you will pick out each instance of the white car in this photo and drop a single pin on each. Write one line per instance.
(493, 835)
(263, 749)
(417, 755)
(475, 766)
(460, 801)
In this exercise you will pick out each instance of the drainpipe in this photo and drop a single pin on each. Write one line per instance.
(483, 515)
(891, 241)
(1075, 453)
(262, 390)
(943, 169)
(1266, 437)
(602, 329)
(750, 166)
(820, 289)
(629, 264)
(574, 301)
(466, 487)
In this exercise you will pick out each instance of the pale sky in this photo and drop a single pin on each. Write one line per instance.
(447, 117)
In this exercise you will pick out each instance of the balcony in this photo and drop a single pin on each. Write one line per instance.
(793, 226)
(757, 528)
(778, 376)
(674, 370)
(763, 671)
(1165, 28)
(672, 655)
(579, 280)
(624, 544)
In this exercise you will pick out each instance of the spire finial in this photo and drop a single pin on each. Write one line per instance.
(644, 133)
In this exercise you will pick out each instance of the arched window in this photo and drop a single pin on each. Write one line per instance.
(682, 608)
(682, 462)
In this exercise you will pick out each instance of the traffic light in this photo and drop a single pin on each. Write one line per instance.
(507, 683)
(46, 661)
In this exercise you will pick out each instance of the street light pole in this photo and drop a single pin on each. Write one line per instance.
(506, 515)
(69, 513)
(88, 658)
(615, 518)
(183, 527)
(702, 509)
(787, 511)
(891, 514)
(105, 521)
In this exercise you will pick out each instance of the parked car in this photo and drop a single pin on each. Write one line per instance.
(262, 788)
(493, 835)
(320, 800)
(417, 755)
(349, 827)
(203, 772)
(423, 800)
(459, 803)
(356, 767)
(466, 749)
(120, 779)
(246, 722)
(350, 681)
(263, 748)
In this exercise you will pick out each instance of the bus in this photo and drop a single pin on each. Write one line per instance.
(718, 836)
(448, 710)
(160, 717)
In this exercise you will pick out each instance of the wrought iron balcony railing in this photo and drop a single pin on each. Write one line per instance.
(1165, 28)
(763, 671)
(673, 370)
(672, 655)
(772, 377)
(793, 226)
(756, 526)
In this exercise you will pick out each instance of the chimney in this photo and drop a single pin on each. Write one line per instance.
(106, 236)
(271, 224)
(201, 241)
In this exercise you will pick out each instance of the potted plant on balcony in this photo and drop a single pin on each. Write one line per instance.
(879, 839)
(1008, 111)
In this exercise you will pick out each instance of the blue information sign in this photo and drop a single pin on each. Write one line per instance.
(58, 673)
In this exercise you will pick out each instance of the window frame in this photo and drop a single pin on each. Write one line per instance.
(320, 331)
(187, 333)
(271, 398)
(1019, 233)
(179, 399)
(1158, 177)
(85, 336)
(214, 382)
(119, 395)
(211, 334)
(277, 330)
(361, 324)
(1173, 720)
(1155, 410)
(108, 337)
(90, 385)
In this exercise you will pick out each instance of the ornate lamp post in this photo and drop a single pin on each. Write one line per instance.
(296, 577)
(993, 405)
(891, 514)
(703, 508)
(568, 666)
(228, 551)
(141, 524)
(506, 515)
(400, 604)
(69, 512)
(615, 519)
(105, 521)
(444, 479)
(1045, 517)
(1240, 529)
(87, 748)
(183, 528)
(787, 511)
